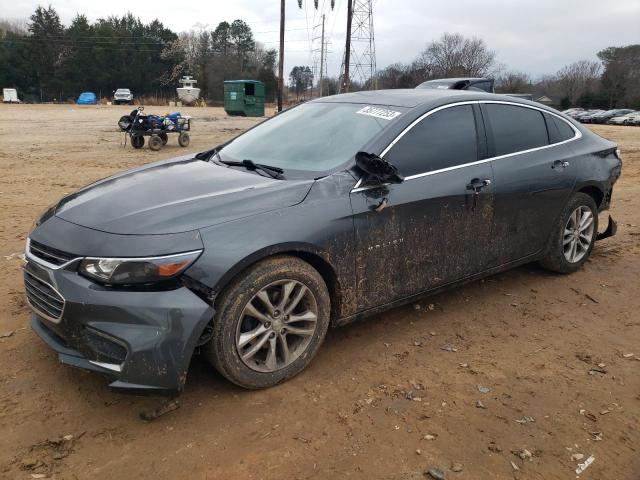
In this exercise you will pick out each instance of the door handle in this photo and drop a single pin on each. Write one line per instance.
(560, 164)
(476, 184)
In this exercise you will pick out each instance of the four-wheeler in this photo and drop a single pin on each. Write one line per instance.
(137, 125)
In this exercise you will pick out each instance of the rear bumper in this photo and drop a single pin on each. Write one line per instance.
(141, 340)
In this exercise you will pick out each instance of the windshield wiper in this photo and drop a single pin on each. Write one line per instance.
(273, 172)
(207, 154)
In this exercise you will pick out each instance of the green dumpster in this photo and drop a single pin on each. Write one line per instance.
(244, 97)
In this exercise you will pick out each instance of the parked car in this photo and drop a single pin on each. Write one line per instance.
(331, 211)
(10, 95)
(572, 111)
(622, 119)
(122, 96)
(481, 84)
(586, 117)
(608, 115)
(633, 119)
(87, 98)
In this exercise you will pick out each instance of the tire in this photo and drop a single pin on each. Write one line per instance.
(155, 143)
(137, 141)
(183, 139)
(232, 322)
(164, 137)
(558, 258)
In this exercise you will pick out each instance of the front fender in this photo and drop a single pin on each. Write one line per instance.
(321, 226)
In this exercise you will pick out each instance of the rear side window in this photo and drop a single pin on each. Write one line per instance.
(443, 139)
(559, 130)
(566, 132)
(515, 128)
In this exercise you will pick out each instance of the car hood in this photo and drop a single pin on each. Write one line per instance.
(175, 196)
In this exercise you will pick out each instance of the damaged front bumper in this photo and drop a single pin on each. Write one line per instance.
(142, 340)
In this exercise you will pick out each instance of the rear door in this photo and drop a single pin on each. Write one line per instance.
(533, 177)
(435, 227)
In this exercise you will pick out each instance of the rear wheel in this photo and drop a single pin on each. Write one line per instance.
(269, 323)
(573, 236)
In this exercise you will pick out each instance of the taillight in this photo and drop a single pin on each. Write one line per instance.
(618, 154)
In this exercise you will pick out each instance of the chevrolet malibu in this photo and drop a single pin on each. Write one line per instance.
(331, 211)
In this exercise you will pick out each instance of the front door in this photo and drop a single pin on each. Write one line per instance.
(433, 229)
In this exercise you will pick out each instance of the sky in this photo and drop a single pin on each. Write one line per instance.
(534, 36)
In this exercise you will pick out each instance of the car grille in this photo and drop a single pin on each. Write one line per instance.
(48, 254)
(43, 298)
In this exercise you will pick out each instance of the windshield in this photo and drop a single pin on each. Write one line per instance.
(122, 90)
(313, 137)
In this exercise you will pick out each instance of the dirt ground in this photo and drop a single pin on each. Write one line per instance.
(386, 398)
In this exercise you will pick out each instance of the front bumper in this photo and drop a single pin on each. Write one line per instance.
(142, 340)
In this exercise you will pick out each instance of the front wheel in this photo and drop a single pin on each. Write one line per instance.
(574, 235)
(269, 323)
(183, 139)
(137, 141)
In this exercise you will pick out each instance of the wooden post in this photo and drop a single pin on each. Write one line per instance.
(347, 51)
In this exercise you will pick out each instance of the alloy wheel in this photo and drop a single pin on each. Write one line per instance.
(276, 326)
(578, 234)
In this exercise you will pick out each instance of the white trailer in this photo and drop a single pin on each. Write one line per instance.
(10, 95)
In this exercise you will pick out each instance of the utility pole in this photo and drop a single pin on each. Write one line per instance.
(347, 50)
(321, 55)
(281, 59)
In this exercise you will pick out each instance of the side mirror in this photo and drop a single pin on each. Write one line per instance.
(378, 170)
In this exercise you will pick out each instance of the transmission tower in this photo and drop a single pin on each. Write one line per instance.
(320, 53)
(359, 60)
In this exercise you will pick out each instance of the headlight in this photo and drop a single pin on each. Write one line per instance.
(122, 271)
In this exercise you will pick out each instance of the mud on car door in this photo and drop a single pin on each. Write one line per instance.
(534, 177)
(435, 227)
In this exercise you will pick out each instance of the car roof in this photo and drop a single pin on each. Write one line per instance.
(411, 98)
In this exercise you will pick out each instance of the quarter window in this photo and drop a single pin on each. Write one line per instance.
(559, 130)
(565, 131)
(515, 128)
(443, 139)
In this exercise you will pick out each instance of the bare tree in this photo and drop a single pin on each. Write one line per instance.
(578, 78)
(514, 82)
(454, 55)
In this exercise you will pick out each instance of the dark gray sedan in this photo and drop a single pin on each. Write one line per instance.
(331, 211)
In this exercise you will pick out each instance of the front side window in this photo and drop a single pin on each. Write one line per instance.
(514, 128)
(444, 139)
(312, 138)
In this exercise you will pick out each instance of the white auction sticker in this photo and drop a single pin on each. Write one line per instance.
(379, 112)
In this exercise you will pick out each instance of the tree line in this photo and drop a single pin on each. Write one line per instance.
(48, 61)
